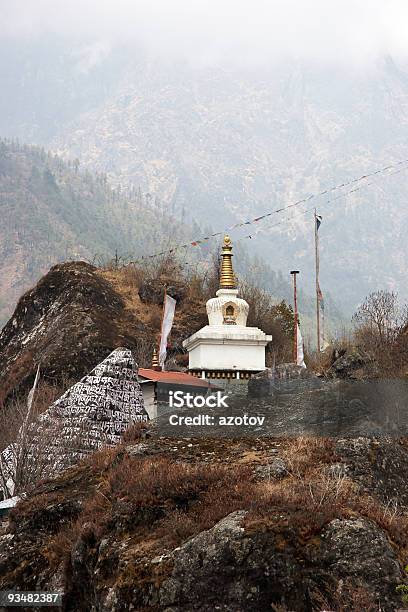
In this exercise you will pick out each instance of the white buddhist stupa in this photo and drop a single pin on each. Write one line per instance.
(226, 347)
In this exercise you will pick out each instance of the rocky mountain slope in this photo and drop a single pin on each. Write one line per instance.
(219, 145)
(229, 145)
(52, 211)
(166, 524)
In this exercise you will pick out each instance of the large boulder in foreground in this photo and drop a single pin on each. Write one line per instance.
(251, 570)
(71, 320)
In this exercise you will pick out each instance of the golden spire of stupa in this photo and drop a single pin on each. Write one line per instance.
(227, 276)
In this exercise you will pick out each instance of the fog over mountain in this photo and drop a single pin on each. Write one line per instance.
(224, 112)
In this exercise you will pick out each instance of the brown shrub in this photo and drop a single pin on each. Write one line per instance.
(59, 547)
(167, 266)
(272, 318)
(96, 512)
(354, 597)
(234, 490)
(31, 505)
(143, 351)
(381, 332)
(196, 287)
(132, 276)
(157, 481)
(104, 459)
(389, 517)
(136, 432)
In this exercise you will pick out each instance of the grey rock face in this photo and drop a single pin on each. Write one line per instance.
(259, 387)
(349, 365)
(277, 468)
(379, 465)
(358, 550)
(214, 553)
(227, 568)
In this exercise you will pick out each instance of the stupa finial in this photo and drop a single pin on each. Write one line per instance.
(227, 276)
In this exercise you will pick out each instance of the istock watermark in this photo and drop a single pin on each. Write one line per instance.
(214, 418)
(179, 399)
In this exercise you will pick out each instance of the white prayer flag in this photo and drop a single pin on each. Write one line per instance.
(300, 358)
(167, 323)
(31, 394)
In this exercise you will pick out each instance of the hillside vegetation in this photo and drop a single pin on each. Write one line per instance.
(51, 211)
(210, 524)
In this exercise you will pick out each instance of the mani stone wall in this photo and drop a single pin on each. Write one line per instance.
(98, 409)
(92, 414)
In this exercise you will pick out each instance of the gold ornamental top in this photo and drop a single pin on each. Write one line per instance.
(227, 276)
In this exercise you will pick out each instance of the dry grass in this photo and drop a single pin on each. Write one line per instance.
(151, 494)
(158, 481)
(126, 282)
(303, 452)
(178, 500)
(390, 517)
(352, 597)
(136, 432)
(166, 501)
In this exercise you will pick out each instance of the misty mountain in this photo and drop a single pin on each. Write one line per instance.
(52, 211)
(219, 146)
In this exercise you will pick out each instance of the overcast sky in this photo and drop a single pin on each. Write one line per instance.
(345, 31)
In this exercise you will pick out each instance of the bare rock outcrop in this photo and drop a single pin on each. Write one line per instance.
(379, 465)
(247, 570)
(69, 322)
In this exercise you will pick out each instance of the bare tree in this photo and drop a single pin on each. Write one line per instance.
(379, 314)
(24, 455)
(381, 330)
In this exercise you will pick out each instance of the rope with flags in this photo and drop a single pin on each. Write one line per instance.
(311, 209)
(403, 164)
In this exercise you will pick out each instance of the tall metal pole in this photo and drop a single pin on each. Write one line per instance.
(295, 351)
(317, 263)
